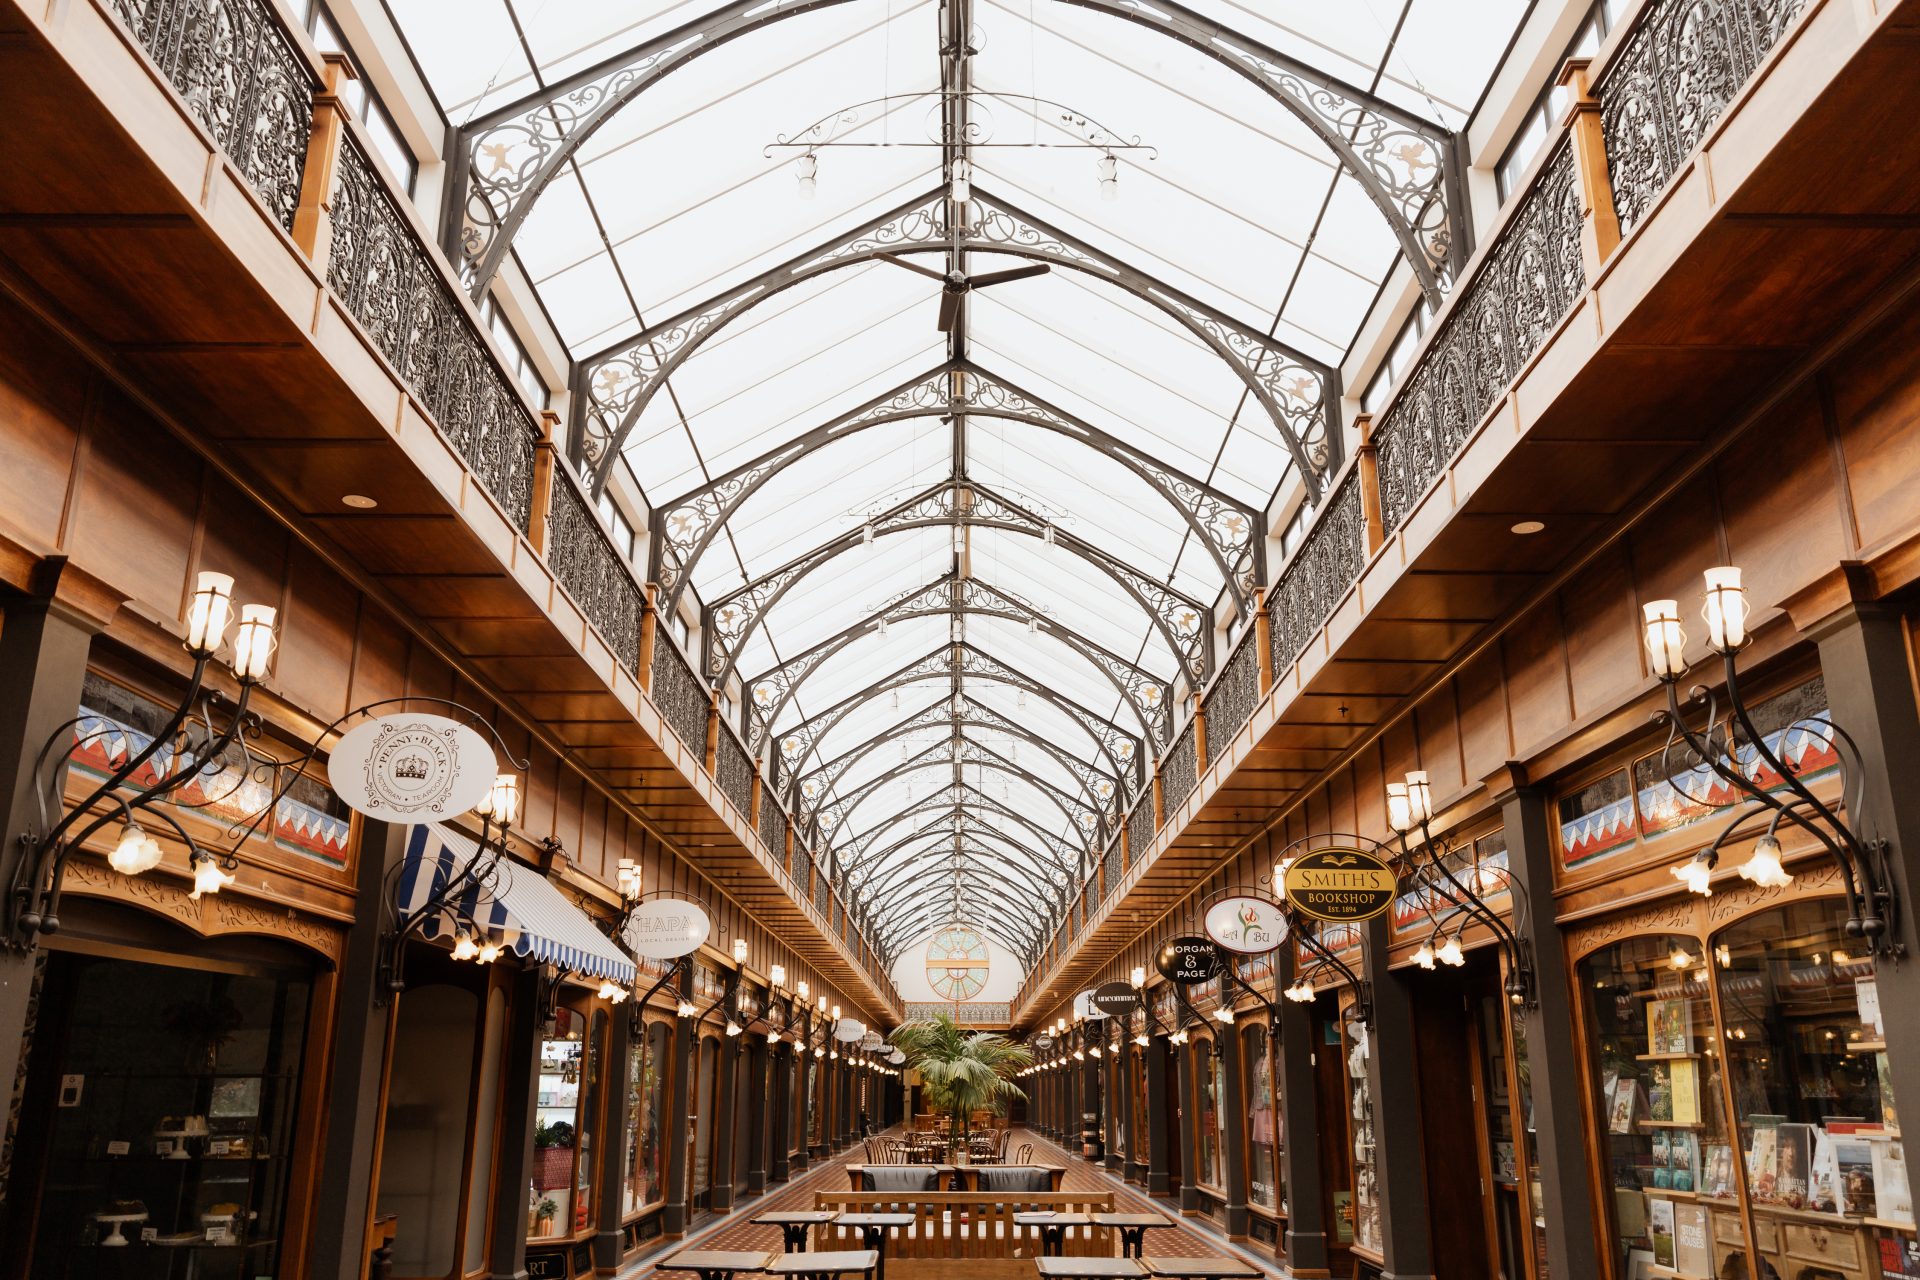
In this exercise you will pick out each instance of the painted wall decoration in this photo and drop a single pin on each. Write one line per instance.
(957, 962)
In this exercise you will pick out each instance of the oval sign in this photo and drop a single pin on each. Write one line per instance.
(1341, 885)
(1248, 925)
(1188, 961)
(667, 928)
(412, 768)
(1043, 1042)
(1115, 999)
(1083, 1007)
(897, 1057)
(871, 1040)
(847, 1030)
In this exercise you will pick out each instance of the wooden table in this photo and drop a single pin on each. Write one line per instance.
(1053, 1227)
(716, 1264)
(1133, 1228)
(1202, 1269)
(794, 1225)
(824, 1262)
(1090, 1268)
(873, 1233)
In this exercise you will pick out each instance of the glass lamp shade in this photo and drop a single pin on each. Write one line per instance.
(1138, 977)
(1666, 642)
(684, 1009)
(502, 801)
(1725, 609)
(1763, 866)
(733, 1028)
(208, 877)
(822, 1005)
(1399, 808)
(800, 989)
(489, 952)
(806, 170)
(465, 948)
(777, 975)
(739, 950)
(1223, 1014)
(253, 642)
(1695, 873)
(1424, 956)
(209, 612)
(136, 852)
(1419, 797)
(836, 1013)
(1449, 953)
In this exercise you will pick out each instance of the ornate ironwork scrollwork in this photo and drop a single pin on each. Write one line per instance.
(243, 77)
(1499, 319)
(1327, 564)
(683, 700)
(390, 283)
(594, 573)
(1676, 73)
(1140, 828)
(733, 770)
(1234, 694)
(1179, 772)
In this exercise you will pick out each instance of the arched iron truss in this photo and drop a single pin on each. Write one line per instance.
(729, 622)
(950, 711)
(966, 799)
(957, 752)
(1408, 167)
(1016, 898)
(688, 525)
(612, 389)
(768, 693)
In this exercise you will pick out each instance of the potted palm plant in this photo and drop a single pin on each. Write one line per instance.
(962, 1072)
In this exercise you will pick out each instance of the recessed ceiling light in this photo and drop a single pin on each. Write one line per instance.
(1529, 526)
(360, 501)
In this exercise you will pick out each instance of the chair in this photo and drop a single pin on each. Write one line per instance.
(1025, 1155)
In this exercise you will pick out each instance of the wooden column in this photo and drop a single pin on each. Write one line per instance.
(622, 1026)
(1187, 1065)
(1407, 1242)
(1369, 465)
(546, 461)
(649, 625)
(779, 1112)
(1263, 639)
(313, 216)
(1234, 1126)
(712, 746)
(1599, 223)
(1556, 1075)
(673, 1218)
(519, 1085)
(1306, 1238)
(762, 1106)
(727, 1105)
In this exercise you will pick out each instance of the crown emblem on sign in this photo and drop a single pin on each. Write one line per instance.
(412, 767)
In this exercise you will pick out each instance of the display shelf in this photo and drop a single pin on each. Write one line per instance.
(1863, 1046)
(1666, 1057)
(1671, 1124)
(1889, 1224)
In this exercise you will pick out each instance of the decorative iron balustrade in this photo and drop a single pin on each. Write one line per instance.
(1180, 770)
(1327, 564)
(1235, 692)
(802, 871)
(964, 1013)
(773, 824)
(1115, 867)
(244, 78)
(393, 285)
(1529, 279)
(821, 901)
(1140, 828)
(594, 573)
(733, 770)
(1673, 76)
(683, 700)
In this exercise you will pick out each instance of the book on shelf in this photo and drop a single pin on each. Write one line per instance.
(1866, 998)
(1669, 1026)
(1626, 1093)
(1763, 1163)
(1717, 1171)
(1892, 1195)
(1660, 1229)
(1684, 1081)
(1660, 1092)
(1888, 1116)
(1692, 1241)
(1793, 1146)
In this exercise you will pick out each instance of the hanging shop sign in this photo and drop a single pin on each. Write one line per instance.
(1043, 1042)
(871, 1040)
(897, 1057)
(1251, 926)
(1115, 999)
(846, 1031)
(1340, 885)
(667, 928)
(1188, 961)
(1083, 1007)
(412, 768)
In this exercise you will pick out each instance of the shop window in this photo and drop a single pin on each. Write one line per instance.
(360, 97)
(557, 1126)
(519, 360)
(1672, 1183)
(1551, 106)
(1357, 1046)
(160, 1099)
(1266, 1146)
(1807, 1070)
(1137, 1150)
(1796, 730)
(1209, 1071)
(645, 1164)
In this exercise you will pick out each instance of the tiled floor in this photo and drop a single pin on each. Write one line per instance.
(736, 1230)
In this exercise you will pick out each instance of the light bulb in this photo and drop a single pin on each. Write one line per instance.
(805, 170)
(1399, 808)
(208, 877)
(1666, 642)
(253, 643)
(465, 948)
(209, 612)
(1449, 952)
(1725, 609)
(489, 952)
(1695, 873)
(1763, 866)
(502, 801)
(136, 851)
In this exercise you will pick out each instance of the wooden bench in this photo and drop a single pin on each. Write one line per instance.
(971, 1225)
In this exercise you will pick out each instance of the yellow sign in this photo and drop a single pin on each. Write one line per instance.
(1341, 885)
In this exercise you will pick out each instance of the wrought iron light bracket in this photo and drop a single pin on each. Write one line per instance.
(637, 1030)
(1437, 876)
(482, 874)
(1362, 989)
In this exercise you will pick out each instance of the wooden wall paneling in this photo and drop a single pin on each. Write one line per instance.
(1486, 735)
(237, 537)
(1535, 662)
(1436, 725)
(1600, 619)
(1876, 403)
(380, 658)
(314, 664)
(45, 387)
(1781, 524)
(135, 508)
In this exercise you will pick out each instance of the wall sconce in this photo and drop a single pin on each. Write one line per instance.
(800, 989)
(192, 749)
(1735, 752)
(777, 976)
(739, 950)
(1138, 978)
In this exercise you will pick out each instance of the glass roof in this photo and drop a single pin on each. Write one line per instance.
(967, 643)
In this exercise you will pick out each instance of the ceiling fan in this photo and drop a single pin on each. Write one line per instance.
(954, 285)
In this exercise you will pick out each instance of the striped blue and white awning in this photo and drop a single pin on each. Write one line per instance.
(521, 911)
